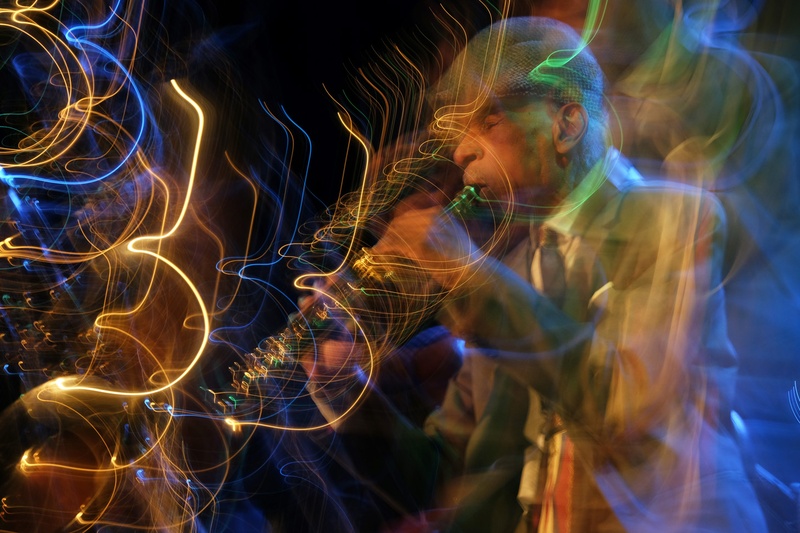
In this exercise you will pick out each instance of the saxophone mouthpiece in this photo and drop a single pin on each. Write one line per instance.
(465, 203)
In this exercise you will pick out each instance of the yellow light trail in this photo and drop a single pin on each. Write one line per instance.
(63, 383)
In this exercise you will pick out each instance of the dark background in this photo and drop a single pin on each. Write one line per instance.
(290, 55)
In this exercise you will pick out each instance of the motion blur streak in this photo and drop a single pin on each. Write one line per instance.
(132, 246)
(161, 237)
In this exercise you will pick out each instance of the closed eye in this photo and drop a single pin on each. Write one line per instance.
(491, 121)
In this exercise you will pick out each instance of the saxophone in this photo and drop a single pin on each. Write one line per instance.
(380, 295)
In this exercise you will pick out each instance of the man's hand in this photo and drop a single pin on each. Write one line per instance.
(431, 238)
(334, 360)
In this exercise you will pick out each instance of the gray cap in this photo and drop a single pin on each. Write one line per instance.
(525, 56)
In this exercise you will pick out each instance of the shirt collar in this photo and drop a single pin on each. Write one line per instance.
(605, 181)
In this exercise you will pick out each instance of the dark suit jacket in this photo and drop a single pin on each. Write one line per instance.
(642, 380)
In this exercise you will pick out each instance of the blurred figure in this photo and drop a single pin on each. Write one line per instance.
(307, 481)
(597, 378)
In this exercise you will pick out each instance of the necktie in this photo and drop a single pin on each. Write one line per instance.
(566, 270)
(550, 463)
(548, 271)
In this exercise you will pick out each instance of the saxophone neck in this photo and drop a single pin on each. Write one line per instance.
(465, 203)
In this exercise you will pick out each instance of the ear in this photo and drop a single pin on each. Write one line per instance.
(569, 126)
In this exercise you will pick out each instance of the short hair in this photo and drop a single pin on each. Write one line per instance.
(526, 56)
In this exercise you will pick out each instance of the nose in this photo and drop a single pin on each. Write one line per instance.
(467, 151)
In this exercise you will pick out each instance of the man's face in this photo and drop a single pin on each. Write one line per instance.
(509, 154)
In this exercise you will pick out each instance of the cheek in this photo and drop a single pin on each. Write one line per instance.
(544, 146)
(525, 163)
(540, 151)
(511, 166)
(512, 148)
